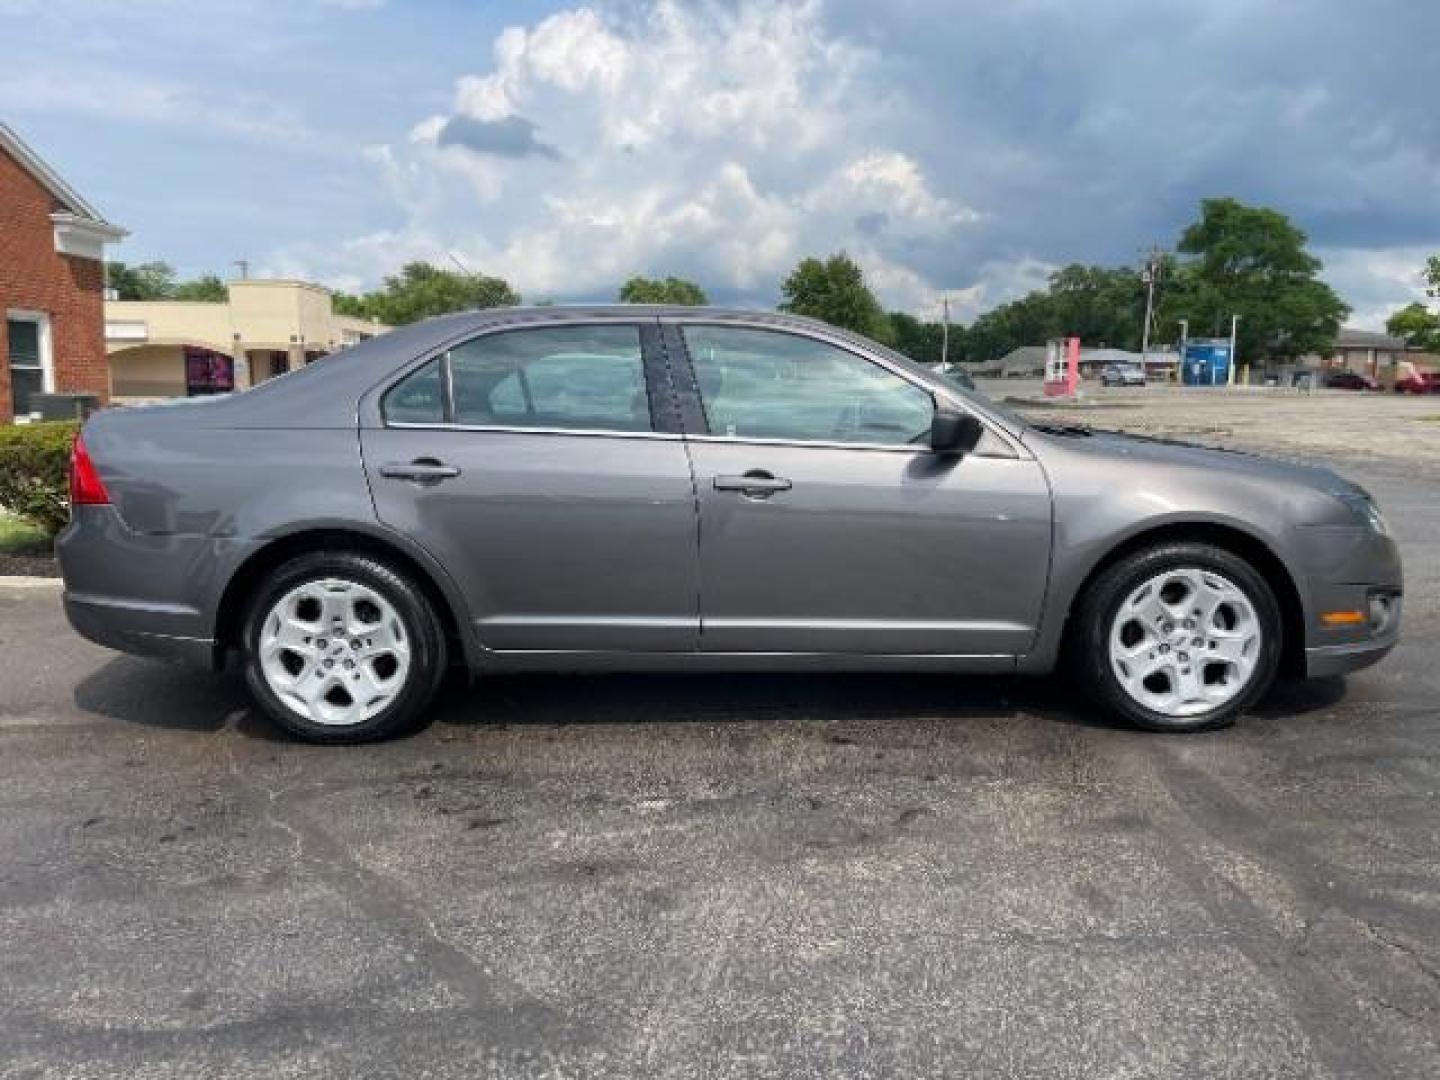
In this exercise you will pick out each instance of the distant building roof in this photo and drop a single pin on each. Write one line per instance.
(1349, 338)
(1101, 357)
(1029, 358)
(1025, 358)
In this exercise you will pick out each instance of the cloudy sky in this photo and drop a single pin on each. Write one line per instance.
(951, 146)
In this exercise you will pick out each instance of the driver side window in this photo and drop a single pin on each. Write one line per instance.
(765, 384)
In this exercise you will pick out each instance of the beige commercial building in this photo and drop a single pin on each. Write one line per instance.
(175, 348)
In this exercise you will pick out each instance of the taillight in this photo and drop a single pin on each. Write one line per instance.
(86, 487)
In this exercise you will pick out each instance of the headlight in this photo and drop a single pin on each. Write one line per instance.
(1365, 509)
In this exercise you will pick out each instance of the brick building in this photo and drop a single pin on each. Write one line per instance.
(52, 283)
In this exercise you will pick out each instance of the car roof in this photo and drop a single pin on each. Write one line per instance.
(326, 393)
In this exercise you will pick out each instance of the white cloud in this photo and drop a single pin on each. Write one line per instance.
(724, 141)
(888, 185)
(1376, 283)
(132, 96)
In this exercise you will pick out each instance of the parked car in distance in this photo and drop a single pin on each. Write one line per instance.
(661, 489)
(1122, 375)
(1349, 380)
(1418, 382)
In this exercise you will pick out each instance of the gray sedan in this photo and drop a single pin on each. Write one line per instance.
(1122, 375)
(629, 488)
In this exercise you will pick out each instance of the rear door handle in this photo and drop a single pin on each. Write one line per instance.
(421, 471)
(755, 482)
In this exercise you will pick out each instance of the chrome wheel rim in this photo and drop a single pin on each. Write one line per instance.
(334, 651)
(1185, 642)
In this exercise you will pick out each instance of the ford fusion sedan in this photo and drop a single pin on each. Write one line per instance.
(663, 489)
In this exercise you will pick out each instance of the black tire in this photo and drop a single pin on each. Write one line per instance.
(422, 627)
(1090, 641)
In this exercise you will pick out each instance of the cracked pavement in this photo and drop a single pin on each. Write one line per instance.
(720, 876)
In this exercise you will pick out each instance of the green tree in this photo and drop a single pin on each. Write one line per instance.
(206, 287)
(834, 291)
(421, 291)
(1102, 306)
(156, 281)
(671, 290)
(1030, 320)
(1418, 325)
(923, 341)
(1251, 261)
(145, 281)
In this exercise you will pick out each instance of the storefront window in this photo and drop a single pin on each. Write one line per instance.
(208, 372)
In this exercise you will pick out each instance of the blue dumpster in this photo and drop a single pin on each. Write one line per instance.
(1206, 363)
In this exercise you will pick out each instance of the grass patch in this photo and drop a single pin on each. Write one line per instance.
(19, 537)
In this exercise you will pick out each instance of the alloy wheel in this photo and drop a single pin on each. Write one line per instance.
(335, 652)
(1185, 642)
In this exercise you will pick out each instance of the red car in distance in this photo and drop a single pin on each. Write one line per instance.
(1419, 382)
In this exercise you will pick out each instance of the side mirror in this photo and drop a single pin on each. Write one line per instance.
(953, 432)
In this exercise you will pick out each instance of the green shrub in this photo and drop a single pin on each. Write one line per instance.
(35, 472)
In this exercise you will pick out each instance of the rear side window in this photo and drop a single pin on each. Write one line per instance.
(417, 399)
(568, 377)
(559, 377)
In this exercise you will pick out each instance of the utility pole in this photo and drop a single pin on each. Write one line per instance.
(1184, 341)
(945, 330)
(244, 265)
(1151, 276)
(1234, 334)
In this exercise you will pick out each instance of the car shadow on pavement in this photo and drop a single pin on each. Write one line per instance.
(696, 698)
(178, 698)
(1296, 697)
(172, 697)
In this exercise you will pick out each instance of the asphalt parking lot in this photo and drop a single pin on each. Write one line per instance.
(1348, 428)
(721, 877)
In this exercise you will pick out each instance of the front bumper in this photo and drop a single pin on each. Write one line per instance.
(1325, 660)
(1349, 566)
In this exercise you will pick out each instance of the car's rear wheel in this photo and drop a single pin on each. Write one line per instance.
(1179, 637)
(342, 647)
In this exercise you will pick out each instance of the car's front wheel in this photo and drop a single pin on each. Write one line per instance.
(342, 647)
(1179, 637)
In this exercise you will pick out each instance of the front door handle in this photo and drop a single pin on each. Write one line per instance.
(756, 483)
(421, 471)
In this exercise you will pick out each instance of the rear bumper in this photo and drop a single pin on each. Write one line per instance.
(132, 628)
(139, 593)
